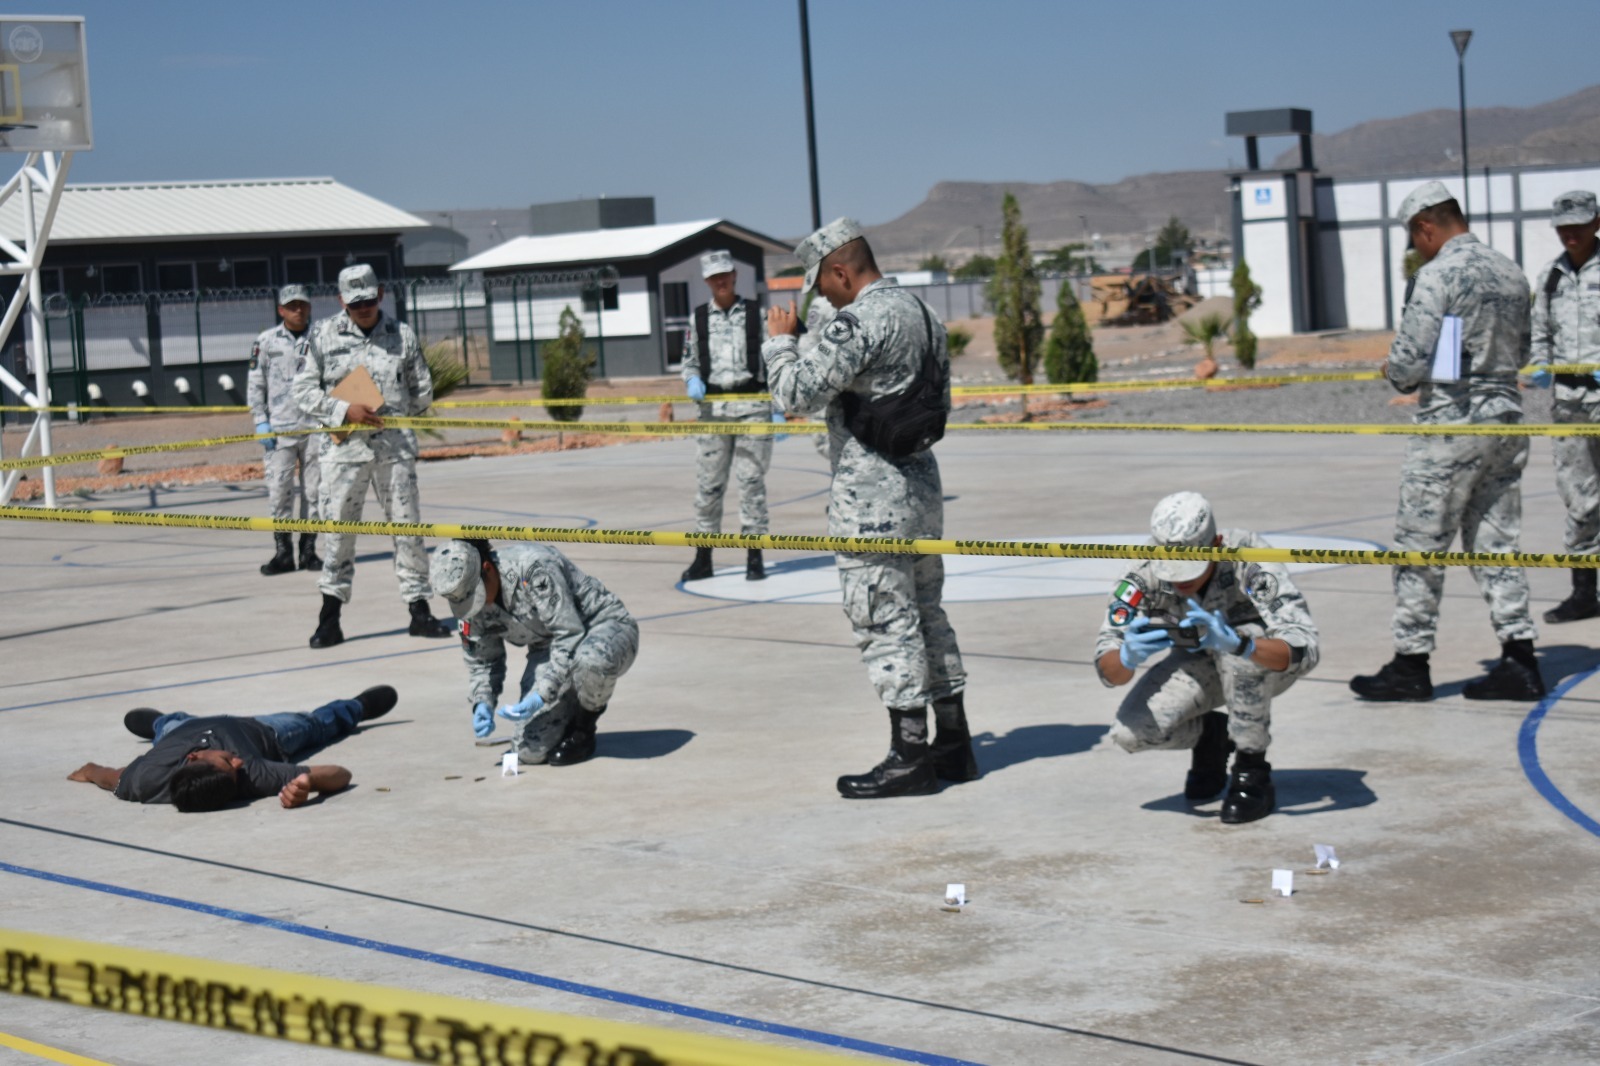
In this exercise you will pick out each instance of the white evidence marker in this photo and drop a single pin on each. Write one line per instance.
(1283, 882)
(1326, 856)
(955, 895)
(508, 764)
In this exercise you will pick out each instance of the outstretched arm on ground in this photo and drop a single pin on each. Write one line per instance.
(327, 778)
(95, 774)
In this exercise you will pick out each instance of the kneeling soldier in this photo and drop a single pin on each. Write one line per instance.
(579, 636)
(1243, 635)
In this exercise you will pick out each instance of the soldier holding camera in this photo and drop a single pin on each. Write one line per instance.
(1239, 634)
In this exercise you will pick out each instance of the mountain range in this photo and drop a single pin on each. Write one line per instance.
(947, 222)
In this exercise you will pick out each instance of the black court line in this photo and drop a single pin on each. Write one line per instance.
(626, 946)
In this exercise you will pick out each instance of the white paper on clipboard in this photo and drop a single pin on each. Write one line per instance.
(1447, 353)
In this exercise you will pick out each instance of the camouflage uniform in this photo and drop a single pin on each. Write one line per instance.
(819, 312)
(277, 357)
(1566, 329)
(1165, 707)
(580, 640)
(874, 348)
(386, 459)
(749, 457)
(1470, 485)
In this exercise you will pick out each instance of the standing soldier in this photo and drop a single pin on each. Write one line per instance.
(1250, 636)
(1566, 329)
(881, 371)
(386, 459)
(1462, 340)
(722, 354)
(579, 636)
(291, 463)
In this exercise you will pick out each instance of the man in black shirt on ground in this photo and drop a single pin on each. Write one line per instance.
(203, 764)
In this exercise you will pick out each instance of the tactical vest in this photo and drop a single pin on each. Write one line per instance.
(903, 423)
(752, 347)
(1552, 282)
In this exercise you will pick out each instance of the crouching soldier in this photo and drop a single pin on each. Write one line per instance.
(1242, 634)
(579, 636)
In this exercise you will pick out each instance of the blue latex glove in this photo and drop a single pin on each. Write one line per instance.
(1139, 642)
(518, 712)
(271, 442)
(482, 720)
(1541, 379)
(697, 390)
(779, 420)
(1215, 632)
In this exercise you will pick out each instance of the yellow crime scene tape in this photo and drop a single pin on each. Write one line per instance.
(391, 1023)
(1263, 381)
(700, 429)
(1043, 549)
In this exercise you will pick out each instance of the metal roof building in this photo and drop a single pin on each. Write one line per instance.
(639, 323)
(166, 284)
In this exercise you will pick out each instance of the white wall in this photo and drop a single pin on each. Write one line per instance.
(1361, 253)
(539, 315)
(1266, 251)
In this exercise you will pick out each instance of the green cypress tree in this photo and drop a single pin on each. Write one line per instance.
(1246, 298)
(1069, 353)
(566, 368)
(1013, 292)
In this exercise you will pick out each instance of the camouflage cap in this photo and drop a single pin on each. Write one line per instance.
(290, 293)
(1182, 519)
(815, 248)
(358, 283)
(1422, 197)
(456, 573)
(717, 262)
(1573, 208)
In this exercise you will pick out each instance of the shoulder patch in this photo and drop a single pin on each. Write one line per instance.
(255, 355)
(1258, 584)
(841, 329)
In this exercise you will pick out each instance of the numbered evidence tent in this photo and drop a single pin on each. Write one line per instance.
(155, 291)
(636, 325)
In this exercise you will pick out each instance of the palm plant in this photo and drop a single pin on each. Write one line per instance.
(1205, 331)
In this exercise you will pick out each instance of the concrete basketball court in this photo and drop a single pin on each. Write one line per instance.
(701, 873)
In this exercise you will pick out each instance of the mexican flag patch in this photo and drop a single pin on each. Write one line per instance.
(1129, 593)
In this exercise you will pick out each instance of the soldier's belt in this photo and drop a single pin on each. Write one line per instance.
(698, 429)
(1042, 549)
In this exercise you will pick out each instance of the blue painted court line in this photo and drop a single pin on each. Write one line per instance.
(1528, 753)
(523, 976)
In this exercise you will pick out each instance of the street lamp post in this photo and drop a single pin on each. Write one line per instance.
(811, 122)
(1461, 38)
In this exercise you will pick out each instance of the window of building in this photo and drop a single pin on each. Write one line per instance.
(215, 273)
(301, 271)
(251, 274)
(675, 299)
(121, 278)
(175, 277)
(50, 281)
(676, 339)
(594, 296)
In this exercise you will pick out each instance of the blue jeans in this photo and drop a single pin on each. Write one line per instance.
(298, 734)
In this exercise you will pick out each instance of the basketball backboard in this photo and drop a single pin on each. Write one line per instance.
(44, 84)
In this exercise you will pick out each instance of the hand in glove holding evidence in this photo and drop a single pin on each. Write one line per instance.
(1139, 642)
(1216, 634)
(519, 712)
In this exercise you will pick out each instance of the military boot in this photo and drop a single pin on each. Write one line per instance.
(753, 570)
(908, 771)
(700, 568)
(328, 632)
(1250, 792)
(579, 743)
(1583, 602)
(1404, 679)
(1514, 677)
(1208, 763)
(282, 562)
(377, 701)
(424, 624)
(309, 559)
(953, 759)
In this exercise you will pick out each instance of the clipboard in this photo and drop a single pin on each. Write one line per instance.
(1447, 352)
(357, 387)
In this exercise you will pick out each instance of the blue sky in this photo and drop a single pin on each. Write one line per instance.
(698, 102)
